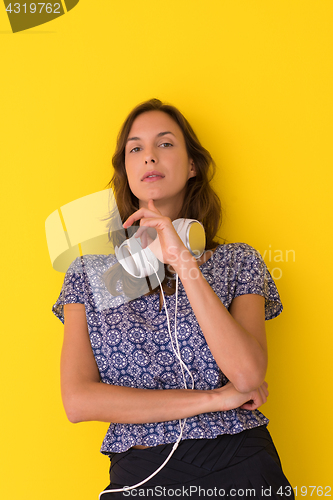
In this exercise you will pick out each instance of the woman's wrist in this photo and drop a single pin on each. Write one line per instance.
(228, 398)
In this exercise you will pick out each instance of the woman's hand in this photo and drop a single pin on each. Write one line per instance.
(258, 398)
(167, 247)
(246, 400)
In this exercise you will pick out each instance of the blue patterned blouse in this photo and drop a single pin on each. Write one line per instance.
(132, 347)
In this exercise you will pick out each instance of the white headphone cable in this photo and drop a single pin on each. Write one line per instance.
(177, 352)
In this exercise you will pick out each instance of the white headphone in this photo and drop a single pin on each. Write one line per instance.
(141, 262)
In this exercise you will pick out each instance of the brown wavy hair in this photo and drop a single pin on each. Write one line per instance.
(200, 200)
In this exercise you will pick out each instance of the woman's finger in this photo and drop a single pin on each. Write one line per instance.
(139, 214)
(264, 393)
(140, 232)
(264, 388)
(142, 212)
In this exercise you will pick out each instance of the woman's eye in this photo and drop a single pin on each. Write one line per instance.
(166, 144)
(134, 150)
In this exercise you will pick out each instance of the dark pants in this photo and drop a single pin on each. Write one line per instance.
(238, 466)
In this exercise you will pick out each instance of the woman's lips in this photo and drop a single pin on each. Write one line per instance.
(153, 179)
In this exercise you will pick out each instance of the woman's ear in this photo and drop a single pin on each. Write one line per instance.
(192, 169)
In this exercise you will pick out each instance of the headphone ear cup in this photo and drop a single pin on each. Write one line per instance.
(192, 234)
(137, 261)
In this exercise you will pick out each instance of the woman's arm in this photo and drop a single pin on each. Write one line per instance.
(236, 338)
(86, 398)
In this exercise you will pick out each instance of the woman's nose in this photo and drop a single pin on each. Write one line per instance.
(150, 155)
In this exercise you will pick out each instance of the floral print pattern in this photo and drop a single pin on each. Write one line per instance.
(132, 346)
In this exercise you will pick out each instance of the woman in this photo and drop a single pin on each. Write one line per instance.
(161, 173)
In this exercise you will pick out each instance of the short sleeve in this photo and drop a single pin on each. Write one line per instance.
(253, 277)
(72, 291)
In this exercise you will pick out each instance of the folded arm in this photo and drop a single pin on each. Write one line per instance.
(85, 398)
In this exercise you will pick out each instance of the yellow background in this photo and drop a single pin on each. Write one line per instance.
(254, 78)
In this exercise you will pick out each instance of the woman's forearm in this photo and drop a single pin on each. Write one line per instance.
(117, 404)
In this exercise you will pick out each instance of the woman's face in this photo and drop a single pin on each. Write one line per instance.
(156, 147)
